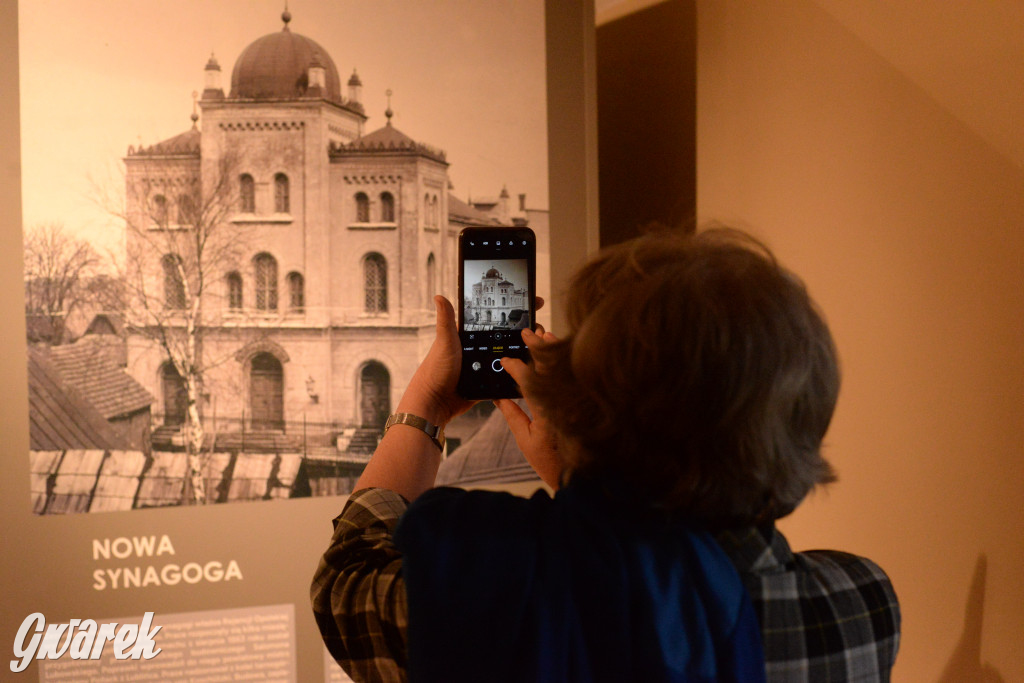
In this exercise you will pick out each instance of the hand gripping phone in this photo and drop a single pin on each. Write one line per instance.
(497, 282)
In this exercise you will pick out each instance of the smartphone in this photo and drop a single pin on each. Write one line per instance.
(497, 283)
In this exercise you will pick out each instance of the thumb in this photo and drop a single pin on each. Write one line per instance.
(445, 313)
(446, 328)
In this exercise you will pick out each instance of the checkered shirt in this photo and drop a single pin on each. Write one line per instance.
(358, 592)
(825, 615)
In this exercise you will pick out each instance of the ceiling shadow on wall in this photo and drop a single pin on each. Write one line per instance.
(647, 119)
(965, 663)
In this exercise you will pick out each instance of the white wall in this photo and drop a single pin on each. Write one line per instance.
(909, 230)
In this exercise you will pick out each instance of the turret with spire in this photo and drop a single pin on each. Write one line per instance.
(355, 90)
(503, 199)
(317, 77)
(212, 89)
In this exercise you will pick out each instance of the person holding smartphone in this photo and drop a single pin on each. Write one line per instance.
(681, 415)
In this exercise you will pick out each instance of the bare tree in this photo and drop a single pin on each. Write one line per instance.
(179, 242)
(60, 280)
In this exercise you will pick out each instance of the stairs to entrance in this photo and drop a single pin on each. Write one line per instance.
(364, 441)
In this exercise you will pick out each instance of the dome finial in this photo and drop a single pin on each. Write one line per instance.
(387, 112)
(195, 115)
(286, 16)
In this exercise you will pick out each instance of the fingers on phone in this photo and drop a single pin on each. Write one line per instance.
(517, 419)
(516, 368)
(531, 338)
(540, 337)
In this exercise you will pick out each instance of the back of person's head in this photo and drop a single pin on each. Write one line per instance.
(697, 377)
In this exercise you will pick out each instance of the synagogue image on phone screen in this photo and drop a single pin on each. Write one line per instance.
(496, 295)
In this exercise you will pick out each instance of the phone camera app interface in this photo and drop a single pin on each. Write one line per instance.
(496, 307)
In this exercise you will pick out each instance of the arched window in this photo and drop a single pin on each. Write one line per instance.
(281, 201)
(362, 208)
(296, 292)
(186, 210)
(174, 394)
(266, 392)
(246, 194)
(428, 214)
(375, 279)
(159, 208)
(174, 285)
(234, 290)
(431, 281)
(435, 211)
(266, 282)
(387, 207)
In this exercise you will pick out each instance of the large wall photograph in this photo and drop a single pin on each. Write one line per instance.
(235, 217)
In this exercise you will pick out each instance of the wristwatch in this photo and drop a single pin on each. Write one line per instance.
(435, 432)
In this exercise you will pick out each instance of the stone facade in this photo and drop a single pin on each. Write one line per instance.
(318, 306)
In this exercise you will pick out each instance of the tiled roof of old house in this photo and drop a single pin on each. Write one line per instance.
(88, 367)
(60, 417)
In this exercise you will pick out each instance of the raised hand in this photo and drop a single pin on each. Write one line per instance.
(534, 435)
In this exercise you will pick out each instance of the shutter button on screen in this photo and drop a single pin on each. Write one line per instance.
(496, 365)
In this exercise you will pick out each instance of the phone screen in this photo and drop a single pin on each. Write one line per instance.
(497, 275)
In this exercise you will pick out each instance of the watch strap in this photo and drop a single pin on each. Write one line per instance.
(435, 432)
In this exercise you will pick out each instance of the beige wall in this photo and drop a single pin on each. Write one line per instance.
(909, 230)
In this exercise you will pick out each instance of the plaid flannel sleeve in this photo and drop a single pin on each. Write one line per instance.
(358, 592)
(825, 615)
(836, 618)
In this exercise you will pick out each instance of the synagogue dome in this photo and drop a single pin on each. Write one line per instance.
(276, 66)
